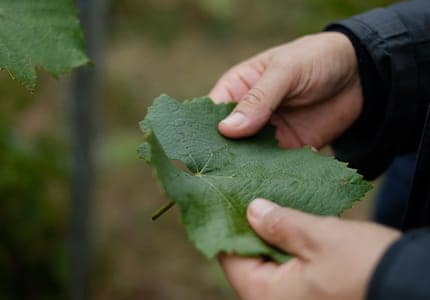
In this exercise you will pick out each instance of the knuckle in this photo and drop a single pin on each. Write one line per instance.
(255, 101)
(258, 66)
(233, 74)
(227, 79)
(255, 97)
(229, 76)
(274, 223)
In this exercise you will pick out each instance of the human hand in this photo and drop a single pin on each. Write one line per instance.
(309, 89)
(334, 258)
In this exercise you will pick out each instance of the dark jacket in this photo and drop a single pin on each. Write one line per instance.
(393, 50)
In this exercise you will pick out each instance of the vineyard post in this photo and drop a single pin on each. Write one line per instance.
(83, 93)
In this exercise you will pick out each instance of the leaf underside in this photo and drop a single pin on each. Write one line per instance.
(42, 33)
(225, 175)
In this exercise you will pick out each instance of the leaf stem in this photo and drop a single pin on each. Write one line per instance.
(162, 210)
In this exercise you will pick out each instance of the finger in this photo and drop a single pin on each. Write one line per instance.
(256, 107)
(236, 83)
(286, 135)
(245, 272)
(309, 125)
(285, 228)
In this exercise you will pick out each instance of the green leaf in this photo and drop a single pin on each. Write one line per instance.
(42, 33)
(225, 175)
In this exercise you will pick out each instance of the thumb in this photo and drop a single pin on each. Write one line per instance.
(284, 228)
(254, 110)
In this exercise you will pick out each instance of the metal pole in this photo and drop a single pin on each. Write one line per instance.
(82, 99)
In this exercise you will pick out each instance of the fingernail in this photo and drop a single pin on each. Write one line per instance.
(258, 208)
(234, 120)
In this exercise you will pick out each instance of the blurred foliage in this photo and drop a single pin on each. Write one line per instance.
(32, 225)
(165, 20)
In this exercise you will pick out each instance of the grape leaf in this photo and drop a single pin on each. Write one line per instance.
(225, 175)
(39, 33)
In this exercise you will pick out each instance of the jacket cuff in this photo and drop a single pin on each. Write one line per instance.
(372, 142)
(403, 272)
(349, 145)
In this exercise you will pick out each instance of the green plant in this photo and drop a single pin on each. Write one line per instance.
(32, 220)
(46, 34)
(224, 175)
(43, 33)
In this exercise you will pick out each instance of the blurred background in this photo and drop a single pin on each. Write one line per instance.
(178, 47)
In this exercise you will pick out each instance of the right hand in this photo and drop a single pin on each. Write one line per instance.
(309, 89)
(327, 263)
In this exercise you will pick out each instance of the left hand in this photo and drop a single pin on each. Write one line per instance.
(334, 258)
(309, 89)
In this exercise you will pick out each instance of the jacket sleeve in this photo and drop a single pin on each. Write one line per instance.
(393, 48)
(403, 272)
